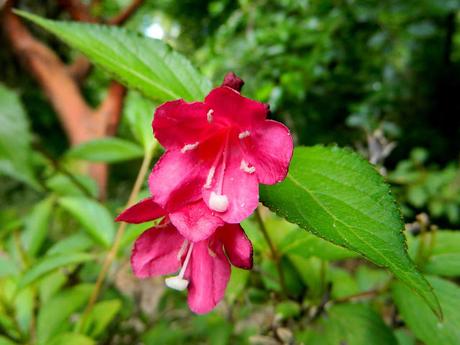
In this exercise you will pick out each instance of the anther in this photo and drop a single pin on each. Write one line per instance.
(218, 202)
(209, 115)
(178, 282)
(244, 134)
(189, 147)
(246, 168)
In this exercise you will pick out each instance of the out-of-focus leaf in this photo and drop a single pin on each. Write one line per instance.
(355, 324)
(53, 317)
(24, 306)
(424, 324)
(50, 263)
(36, 228)
(337, 195)
(74, 243)
(236, 285)
(100, 317)
(307, 245)
(62, 185)
(71, 339)
(138, 110)
(286, 310)
(108, 150)
(142, 63)
(6, 341)
(94, 218)
(15, 151)
(7, 266)
(445, 255)
(50, 284)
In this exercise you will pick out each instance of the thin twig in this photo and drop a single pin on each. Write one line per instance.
(116, 244)
(275, 255)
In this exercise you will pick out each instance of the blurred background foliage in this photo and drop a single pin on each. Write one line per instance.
(380, 76)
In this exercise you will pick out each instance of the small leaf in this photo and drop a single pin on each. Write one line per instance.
(53, 317)
(107, 150)
(36, 226)
(50, 263)
(101, 316)
(71, 339)
(15, 151)
(445, 256)
(142, 63)
(424, 324)
(79, 242)
(354, 324)
(94, 218)
(138, 111)
(339, 196)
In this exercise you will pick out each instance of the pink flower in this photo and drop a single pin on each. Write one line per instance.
(203, 266)
(217, 152)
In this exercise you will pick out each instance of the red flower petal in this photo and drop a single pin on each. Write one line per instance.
(269, 148)
(237, 245)
(144, 211)
(156, 251)
(209, 273)
(195, 221)
(177, 179)
(230, 108)
(178, 123)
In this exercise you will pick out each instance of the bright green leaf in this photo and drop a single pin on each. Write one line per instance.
(36, 226)
(101, 316)
(53, 317)
(337, 195)
(142, 63)
(138, 111)
(107, 150)
(354, 324)
(424, 324)
(94, 218)
(71, 339)
(15, 151)
(445, 256)
(79, 242)
(50, 263)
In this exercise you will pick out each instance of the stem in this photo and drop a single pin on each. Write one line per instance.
(275, 255)
(116, 244)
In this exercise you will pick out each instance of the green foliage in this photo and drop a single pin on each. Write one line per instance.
(15, 139)
(355, 324)
(94, 218)
(108, 150)
(337, 195)
(424, 325)
(142, 63)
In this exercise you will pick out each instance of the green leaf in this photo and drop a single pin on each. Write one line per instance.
(354, 324)
(79, 242)
(424, 324)
(71, 339)
(337, 195)
(6, 341)
(7, 266)
(101, 316)
(53, 317)
(237, 284)
(15, 151)
(138, 111)
(36, 226)
(49, 263)
(63, 185)
(107, 150)
(94, 218)
(139, 62)
(445, 256)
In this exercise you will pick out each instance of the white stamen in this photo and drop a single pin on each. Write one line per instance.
(178, 282)
(209, 115)
(246, 168)
(210, 177)
(244, 134)
(182, 250)
(189, 147)
(218, 202)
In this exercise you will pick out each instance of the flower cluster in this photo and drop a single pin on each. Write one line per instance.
(205, 184)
